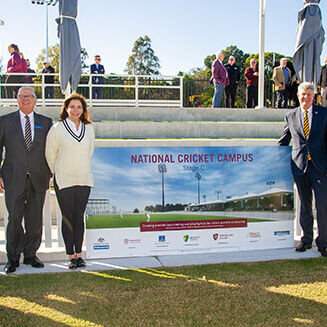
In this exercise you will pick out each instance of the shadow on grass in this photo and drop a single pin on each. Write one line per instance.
(280, 293)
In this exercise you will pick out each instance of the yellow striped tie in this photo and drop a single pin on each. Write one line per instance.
(306, 129)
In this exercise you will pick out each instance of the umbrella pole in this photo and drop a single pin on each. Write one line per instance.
(68, 90)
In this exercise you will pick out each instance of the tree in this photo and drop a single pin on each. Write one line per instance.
(142, 61)
(54, 52)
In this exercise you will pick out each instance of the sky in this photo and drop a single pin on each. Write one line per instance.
(132, 184)
(183, 32)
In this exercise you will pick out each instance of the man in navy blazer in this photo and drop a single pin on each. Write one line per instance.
(219, 79)
(309, 163)
(24, 176)
(96, 68)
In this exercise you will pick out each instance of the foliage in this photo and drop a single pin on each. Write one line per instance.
(142, 61)
(54, 53)
(168, 207)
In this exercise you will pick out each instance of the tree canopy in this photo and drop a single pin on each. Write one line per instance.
(143, 61)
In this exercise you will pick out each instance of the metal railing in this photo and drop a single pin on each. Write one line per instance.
(117, 90)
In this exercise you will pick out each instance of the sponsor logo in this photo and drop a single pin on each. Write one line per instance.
(132, 241)
(282, 233)
(215, 236)
(101, 247)
(101, 244)
(191, 238)
(254, 235)
(162, 238)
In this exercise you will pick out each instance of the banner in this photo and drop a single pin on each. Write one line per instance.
(171, 200)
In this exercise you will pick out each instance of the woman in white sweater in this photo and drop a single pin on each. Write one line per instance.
(69, 148)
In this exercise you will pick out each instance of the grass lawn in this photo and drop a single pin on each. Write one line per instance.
(134, 220)
(270, 294)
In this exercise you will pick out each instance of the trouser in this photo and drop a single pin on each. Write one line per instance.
(230, 92)
(251, 96)
(282, 98)
(29, 205)
(323, 96)
(72, 202)
(49, 91)
(216, 100)
(312, 180)
(97, 92)
(12, 91)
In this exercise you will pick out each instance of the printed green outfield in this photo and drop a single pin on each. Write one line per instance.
(134, 220)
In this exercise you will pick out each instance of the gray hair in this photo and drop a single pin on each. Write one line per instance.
(28, 88)
(283, 60)
(220, 53)
(306, 86)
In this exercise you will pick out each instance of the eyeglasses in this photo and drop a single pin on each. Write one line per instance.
(98, 59)
(28, 97)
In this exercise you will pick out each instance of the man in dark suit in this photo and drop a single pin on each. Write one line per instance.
(24, 176)
(307, 127)
(96, 68)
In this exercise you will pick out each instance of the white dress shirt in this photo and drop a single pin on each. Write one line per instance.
(73, 127)
(23, 121)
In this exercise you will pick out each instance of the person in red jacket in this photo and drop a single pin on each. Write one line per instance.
(251, 74)
(14, 65)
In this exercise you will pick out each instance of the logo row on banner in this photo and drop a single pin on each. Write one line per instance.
(126, 242)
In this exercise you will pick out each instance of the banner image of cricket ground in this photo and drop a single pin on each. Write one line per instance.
(173, 200)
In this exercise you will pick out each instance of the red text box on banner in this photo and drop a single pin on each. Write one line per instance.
(192, 224)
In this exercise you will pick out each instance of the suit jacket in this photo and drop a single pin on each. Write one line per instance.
(18, 158)
(219, 73)
(95, 70)
(279, 78)
(316, 143)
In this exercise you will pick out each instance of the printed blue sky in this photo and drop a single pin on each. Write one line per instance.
(183, 32)
(130, 186)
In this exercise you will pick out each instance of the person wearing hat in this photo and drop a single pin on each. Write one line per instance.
(234, 78)
(48, 69)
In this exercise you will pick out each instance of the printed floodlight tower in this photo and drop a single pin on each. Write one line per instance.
(198, 177)
(270, 183)
(162, 169)
(218, 192)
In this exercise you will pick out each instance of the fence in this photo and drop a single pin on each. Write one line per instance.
(117, 90)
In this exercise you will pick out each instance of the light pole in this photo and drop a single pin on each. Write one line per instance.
(261, 87)
(47, 3)
(198, 177)
(162, 169)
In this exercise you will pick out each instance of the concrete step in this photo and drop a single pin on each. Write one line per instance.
(137, 130)
(169, 114)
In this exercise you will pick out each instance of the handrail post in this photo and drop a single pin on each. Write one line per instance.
(136, 91)
(181, 92)
(43, 90)
(90, 91)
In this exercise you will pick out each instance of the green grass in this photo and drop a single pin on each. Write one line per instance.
(270, 294)
(114, 221)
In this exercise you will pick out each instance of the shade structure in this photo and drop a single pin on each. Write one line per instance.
(70, 47)
(309, 42)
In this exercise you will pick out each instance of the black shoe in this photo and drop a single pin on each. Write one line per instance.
(10, 267)
(80, 262)
(302, 247)
(72, 264)
(35, 262)
(323, 252)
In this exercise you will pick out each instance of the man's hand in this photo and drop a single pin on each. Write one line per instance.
(2, 186)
